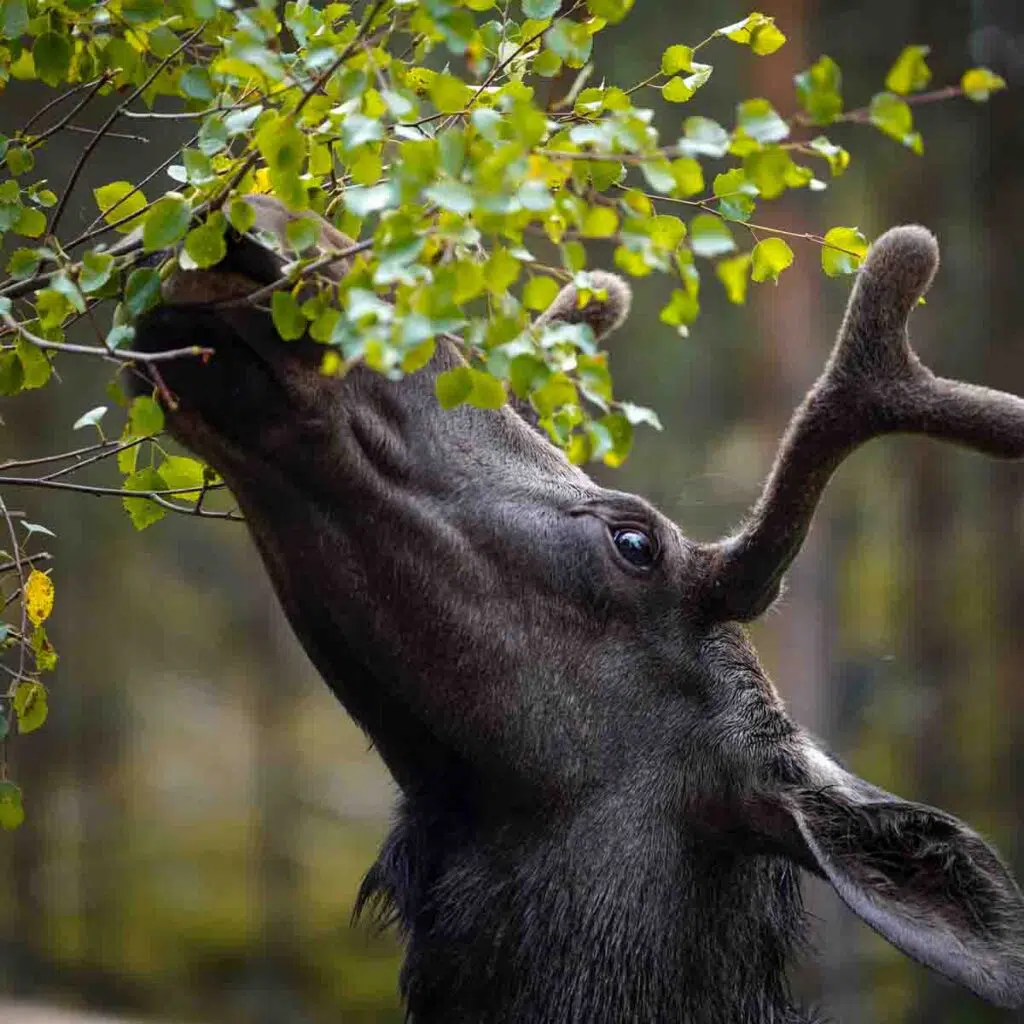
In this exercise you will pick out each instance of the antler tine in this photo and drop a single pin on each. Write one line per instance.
(873, 384)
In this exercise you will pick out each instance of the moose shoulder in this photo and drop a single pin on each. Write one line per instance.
(605, 805)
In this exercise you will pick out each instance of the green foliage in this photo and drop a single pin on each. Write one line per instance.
(422, 130)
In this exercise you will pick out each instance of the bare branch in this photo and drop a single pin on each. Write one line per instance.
(90, 147)
(111, 355)
(159, 496)
(64, 122)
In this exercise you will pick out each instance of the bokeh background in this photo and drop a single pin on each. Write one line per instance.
(201, 811)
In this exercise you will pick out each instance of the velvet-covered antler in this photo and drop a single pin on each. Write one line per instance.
(873, 384)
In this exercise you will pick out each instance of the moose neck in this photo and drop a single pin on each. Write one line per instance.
(608, 916)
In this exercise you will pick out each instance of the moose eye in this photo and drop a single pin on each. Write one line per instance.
(634, 546)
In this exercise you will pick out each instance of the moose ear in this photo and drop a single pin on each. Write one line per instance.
(922, 879)
(608, 299)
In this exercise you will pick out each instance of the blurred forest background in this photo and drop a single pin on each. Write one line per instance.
(201, 811)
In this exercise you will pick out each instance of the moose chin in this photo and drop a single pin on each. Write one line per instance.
(605, 808)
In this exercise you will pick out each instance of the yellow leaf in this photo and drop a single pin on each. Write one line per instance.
(38, 597)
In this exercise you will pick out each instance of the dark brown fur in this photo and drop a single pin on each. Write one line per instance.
(604, 803)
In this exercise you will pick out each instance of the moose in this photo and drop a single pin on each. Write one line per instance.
(605, 808)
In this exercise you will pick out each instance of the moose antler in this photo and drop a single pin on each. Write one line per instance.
(874, 384)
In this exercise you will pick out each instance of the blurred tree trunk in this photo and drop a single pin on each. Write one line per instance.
(1001, 341)
(793, 349)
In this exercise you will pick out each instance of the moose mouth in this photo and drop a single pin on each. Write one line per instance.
(247, 387)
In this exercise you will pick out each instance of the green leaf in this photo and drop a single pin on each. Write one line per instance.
(31, 223)
(282, 145)
(51, 55)
(120, 199)
(205, 245)
(710, 236)
(195, 83)
(756, 31)
(179, 471)
(486, 392)
(46, 656)
(613, 11)
(453, 387)
(166, 223)
(819, 90)
(241, 215)
(600, 222)
(734, 274)
(141, 291)
(121, 334)
(198, 167)
(676, 59)
(555, 393)
(539, 293)
(23, 263)
(450, 94)
(667, 232)
(52, 308)
(30, 706)
(837, 157)
(19, 160)
(979, 83)
(736, 194)
(704, 137)
(36, 367)
(760, 120)
(893, 116)
(143, 512)
(570, 40)
(769, 258)
(13, 18)
(95, 272)
(843, 252)
(145, 417)
(501, 271)
(287, 316)
(910, 73)
(91, 418)
(451, 195)
(769, 169)
(213, 135)
(361, 202)
(302, 233)
(12, 376)
(682, 309)
(688, 176)
(12, 813)
(675, 90)
(540, 10)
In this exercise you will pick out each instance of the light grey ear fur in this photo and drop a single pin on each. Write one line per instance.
(602, 315)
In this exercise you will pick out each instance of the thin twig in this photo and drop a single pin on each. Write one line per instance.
(20, 569)
(115, 355)
(111, 446)
(75, 467)
(110, 135)
(289, 279)
(78, 108)
(39, 556)
(76, 171)
(56, 102)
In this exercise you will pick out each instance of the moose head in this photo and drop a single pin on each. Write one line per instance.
(604, 804)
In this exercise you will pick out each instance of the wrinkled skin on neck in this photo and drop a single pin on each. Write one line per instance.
(604, 802)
